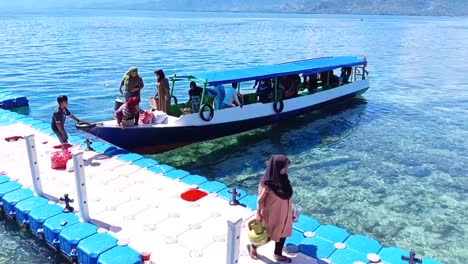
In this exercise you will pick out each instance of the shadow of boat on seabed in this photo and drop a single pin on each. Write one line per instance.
(327, 125)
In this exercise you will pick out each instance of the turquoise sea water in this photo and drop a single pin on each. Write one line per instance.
(391, 165)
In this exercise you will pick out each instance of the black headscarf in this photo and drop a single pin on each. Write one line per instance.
(277, 182)
(160, 74)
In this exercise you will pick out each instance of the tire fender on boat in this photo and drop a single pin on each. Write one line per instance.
(202, 111)
(278, 106)
(83, 125)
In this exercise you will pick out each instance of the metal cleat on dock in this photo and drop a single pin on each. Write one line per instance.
(88, 145)
(412, 258)
(67, 200)
(235, 194)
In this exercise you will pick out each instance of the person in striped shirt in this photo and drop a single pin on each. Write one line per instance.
(126, 113)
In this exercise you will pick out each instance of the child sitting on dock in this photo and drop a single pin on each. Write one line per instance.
(58, 120)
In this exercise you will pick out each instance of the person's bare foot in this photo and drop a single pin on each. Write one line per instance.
(282, 258)
(252, 252)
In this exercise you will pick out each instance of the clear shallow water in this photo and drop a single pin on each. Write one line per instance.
(20, 246)
(391, 165)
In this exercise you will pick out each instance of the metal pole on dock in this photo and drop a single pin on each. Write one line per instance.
(233, 241)
(32, 156)
(80, 180)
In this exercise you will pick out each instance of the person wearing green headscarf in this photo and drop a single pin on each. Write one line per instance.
(133, 84)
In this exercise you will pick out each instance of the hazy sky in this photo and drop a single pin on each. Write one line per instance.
(47, 3)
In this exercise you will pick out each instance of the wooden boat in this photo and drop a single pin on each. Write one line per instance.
(318, 86)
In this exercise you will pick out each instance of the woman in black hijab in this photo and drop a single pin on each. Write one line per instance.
(274, 205)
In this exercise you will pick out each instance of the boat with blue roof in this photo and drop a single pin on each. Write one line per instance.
(283, 91)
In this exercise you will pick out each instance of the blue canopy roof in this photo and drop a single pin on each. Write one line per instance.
(306, 67)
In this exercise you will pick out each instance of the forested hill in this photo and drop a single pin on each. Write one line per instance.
(391, 7)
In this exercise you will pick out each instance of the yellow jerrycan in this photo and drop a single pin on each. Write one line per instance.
(258, 234)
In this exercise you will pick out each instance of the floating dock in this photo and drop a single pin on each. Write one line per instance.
(9, 101)
(131, 209)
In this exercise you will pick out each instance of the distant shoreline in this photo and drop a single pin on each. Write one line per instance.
(283, 12)
(229, 11)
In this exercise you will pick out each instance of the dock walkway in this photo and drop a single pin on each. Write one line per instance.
(140, 208)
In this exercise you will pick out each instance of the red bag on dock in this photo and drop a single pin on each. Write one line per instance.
(59, 159)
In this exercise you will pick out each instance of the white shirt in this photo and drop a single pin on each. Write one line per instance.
(231, 96)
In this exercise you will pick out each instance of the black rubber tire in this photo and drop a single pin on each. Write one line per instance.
(202, 111)
(278, 109)
(175, 99)
(83, 125)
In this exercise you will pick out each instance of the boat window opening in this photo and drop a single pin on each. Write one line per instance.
(239, 94)
(351, 77)
(361, 72)
(172, 88)
(203, 97)
(276, 89)
(249, 98)
(180, 84)
(355, 73)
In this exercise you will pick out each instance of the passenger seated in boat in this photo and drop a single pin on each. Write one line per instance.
(127, 112)
(293, 85)
(345, 74)
(264, 91)
(324, 80)
(282, 86)
(334, 80)
(231, 96)
(329, 79)
(195, 94)
(311, 82)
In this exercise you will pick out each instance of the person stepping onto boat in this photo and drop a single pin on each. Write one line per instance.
(58, 120)
(231, 97)
(274, 205)
(126, 113)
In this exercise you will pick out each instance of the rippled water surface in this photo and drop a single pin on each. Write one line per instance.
(391, 165)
